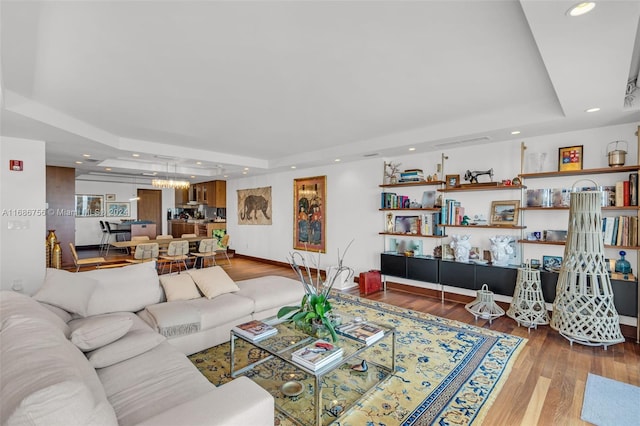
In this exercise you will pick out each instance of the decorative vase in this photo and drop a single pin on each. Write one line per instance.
(56, 256)
(50, 243)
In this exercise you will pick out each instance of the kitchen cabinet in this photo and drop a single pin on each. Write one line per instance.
(213, 193)
(181, 196)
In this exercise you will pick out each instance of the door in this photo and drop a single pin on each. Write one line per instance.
(150, 207)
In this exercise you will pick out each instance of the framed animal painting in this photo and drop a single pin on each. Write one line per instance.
(254, 206)
(309, 213)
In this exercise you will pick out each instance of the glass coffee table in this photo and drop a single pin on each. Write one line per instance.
(312, 397)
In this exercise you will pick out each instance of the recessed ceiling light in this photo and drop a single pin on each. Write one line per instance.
(135, 155)
(293, 167)
(412, 149)
(515, 132)
(246, 169)
(192, 177)
(108, 169)
(78, 162)
(244, 173)
(581, 8)
(337, 160)
(86, 155)
(225, 176)
(198, 162)
(592, 109)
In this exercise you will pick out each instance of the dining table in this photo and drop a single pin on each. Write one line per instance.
(161, 242)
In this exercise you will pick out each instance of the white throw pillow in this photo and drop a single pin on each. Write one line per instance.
(179, 287)
(213, 281)
(134, 343)
(12, 303)
(94, 332)
(127, 289)
(67, 290)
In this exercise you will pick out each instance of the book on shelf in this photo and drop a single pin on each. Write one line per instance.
(317, 354)
(255, 330)
(633, 189)
(362, 331)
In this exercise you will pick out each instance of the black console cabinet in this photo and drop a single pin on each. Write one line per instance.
(500, 280)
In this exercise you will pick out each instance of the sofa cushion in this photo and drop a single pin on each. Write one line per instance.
(94, 332)
(271, 292)
(221, 310)
(213, 281)
(12, 303)
(127, 289)
(153, 382)
(179, 287)
(67, 290)
(174, 318)
(138, 340)
(45, 379)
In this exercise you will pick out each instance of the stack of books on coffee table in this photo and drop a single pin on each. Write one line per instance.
(317, 354)
(362, 331)
(255, 330)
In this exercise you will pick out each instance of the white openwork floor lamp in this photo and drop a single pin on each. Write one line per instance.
(583, 309)
(527, 307)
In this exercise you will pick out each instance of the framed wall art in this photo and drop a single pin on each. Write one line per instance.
(551, 263)
(406, 225)
(570, 158)
(89, 205)
(118, 209)
(254, 206)
(504, 212)
(310, 206)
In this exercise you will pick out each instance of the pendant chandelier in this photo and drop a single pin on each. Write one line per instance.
(171, 183)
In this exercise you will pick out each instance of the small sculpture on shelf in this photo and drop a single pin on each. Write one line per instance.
(390, 225)
(500, 250)
(461, 247)
(472, 176)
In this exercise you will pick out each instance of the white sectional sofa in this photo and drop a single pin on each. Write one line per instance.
(77, 354)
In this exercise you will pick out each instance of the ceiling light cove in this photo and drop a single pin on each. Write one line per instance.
(581, 8)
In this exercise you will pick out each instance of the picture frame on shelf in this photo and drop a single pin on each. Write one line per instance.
(534, 263)
(309, 213)
(570, 158)
(452, 181)
(406, 225)
(504, 212)
(551, 263)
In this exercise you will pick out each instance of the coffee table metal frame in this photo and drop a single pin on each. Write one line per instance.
(354, 349)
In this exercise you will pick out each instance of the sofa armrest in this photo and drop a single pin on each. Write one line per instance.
(240, 402)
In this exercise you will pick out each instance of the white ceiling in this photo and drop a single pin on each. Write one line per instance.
(272, 84)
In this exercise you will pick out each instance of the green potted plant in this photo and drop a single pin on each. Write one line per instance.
(315, 307)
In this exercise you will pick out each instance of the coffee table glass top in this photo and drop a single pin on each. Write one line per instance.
(327, 392)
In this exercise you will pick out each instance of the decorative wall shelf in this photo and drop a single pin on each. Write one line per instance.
(485, 226)
(602, 170)
(423, 183)
(428, 209)
(411, 235)
(466, 188)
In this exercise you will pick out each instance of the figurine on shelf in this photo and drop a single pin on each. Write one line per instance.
(500, 250)
(465, 220)
(461, 247)
(390, 222)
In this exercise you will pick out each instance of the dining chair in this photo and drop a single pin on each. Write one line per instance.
(105, 237)
(115, 233)
(163, 250)
(145, 252)
(86, 261)
(192, 245)
(176, 253)
(206, 250)
(223, 246)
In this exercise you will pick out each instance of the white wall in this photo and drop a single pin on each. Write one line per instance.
(354, 195)
(88, 228)
(23, 215)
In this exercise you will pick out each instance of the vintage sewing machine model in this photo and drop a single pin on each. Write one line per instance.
(472, 176)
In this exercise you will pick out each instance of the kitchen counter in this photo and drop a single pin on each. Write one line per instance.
(200, 227)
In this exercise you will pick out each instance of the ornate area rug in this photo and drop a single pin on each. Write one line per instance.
(447, 372)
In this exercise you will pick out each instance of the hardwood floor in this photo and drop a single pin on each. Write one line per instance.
(546, 384)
